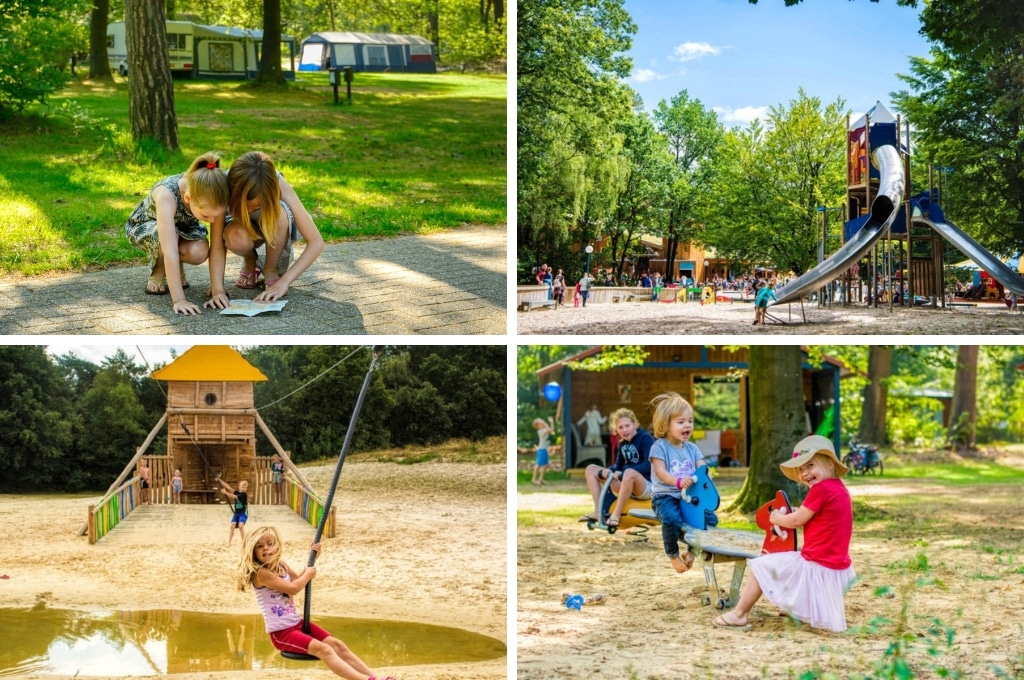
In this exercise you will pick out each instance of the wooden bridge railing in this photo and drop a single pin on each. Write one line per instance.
(113, 508)
(309, 506)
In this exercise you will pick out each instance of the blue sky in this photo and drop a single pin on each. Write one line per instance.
(738, 59)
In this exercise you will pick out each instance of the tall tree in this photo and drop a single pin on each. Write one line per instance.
(876, 393)
(781, 171)
(695, 139)
(777, 422)
(964, 411)
(270, 72)
(150, 88)
(99, 64)
(571, 58)
(645, 194)
(36, 420)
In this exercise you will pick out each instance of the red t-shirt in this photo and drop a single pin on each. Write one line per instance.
(827, 534)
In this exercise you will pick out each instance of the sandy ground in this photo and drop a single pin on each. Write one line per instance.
(654, 626)
(401, 530)
(737, 318)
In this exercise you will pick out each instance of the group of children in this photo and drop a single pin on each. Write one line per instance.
(251, 211)
(808, 585)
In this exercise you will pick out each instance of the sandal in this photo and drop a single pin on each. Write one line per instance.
(155, 286)
(184, 282)
(248, 280)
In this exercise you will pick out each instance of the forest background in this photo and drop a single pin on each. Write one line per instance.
(67, 424)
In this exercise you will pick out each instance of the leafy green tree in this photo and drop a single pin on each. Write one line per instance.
(779, 175)
(37, 421)
(37, 40)
(695, 139)
(112, 426)
(967, 109)
(647, 187)
(570, 60)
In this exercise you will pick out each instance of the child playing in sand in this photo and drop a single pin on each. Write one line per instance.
(264, 219)
(808, 585)
(176, 487)
(674, 461)
(544, 430)
(166, 224)
(239, 507)
(276, 585)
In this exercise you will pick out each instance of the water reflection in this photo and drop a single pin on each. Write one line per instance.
(164, 641)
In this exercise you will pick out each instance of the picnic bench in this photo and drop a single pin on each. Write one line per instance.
(713, 547)
(529, 298)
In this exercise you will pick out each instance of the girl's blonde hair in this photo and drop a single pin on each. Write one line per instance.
(666, 407)
(539, 423)
(253, 176)
(827, 462)
(249, 565)
(622, 413)
(207, 183)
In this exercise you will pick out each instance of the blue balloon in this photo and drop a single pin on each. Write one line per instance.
(552, 391)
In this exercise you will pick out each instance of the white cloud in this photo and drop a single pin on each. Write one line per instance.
(644, 75)
(688, 51)
(740, 116)
(96, 354)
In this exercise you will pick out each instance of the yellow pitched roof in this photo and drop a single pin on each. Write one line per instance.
(210, 362)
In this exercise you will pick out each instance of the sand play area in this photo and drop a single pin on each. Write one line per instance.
(418, 543)
(931, 558)
(736, 318)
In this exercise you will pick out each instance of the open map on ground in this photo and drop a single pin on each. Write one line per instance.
(252, 308)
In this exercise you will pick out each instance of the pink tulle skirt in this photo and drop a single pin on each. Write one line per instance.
(803, 589)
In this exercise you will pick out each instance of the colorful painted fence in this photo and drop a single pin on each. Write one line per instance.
(113, 508)
(308, 506)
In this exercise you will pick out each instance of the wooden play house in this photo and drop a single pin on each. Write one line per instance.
(211, 423)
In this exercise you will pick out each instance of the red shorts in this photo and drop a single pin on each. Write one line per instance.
(294, 640)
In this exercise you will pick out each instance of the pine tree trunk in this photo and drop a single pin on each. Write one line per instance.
(270, 72)
(964, 411)
(99, 63)
(150, 88)
(876, 396)
(778, 420)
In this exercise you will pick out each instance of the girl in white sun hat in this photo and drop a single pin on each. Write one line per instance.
(808, 585)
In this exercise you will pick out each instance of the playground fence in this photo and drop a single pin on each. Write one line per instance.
(113, 508)
(309, 506)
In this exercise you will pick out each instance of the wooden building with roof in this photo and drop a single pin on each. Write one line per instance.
(707, 377)
(211, 424)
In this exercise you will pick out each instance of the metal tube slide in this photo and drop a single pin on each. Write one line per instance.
(883, 211)
(975, 251)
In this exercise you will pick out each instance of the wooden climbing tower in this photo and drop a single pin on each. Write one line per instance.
(211, 422)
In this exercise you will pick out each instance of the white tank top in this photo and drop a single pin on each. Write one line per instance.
(278, 609)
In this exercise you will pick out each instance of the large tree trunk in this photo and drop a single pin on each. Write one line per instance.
(876, 396)
(99, 64)
(778, 420)
(150, 88)
(964, 412)
(270, 72)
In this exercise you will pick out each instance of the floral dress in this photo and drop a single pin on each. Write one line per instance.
(141, 226)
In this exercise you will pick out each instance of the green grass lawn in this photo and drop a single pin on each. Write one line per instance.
(413, 153)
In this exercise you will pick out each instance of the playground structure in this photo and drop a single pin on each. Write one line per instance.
(880, 209)
(211, 432)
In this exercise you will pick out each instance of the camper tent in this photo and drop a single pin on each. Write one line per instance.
(205, 51)
(367, 52)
